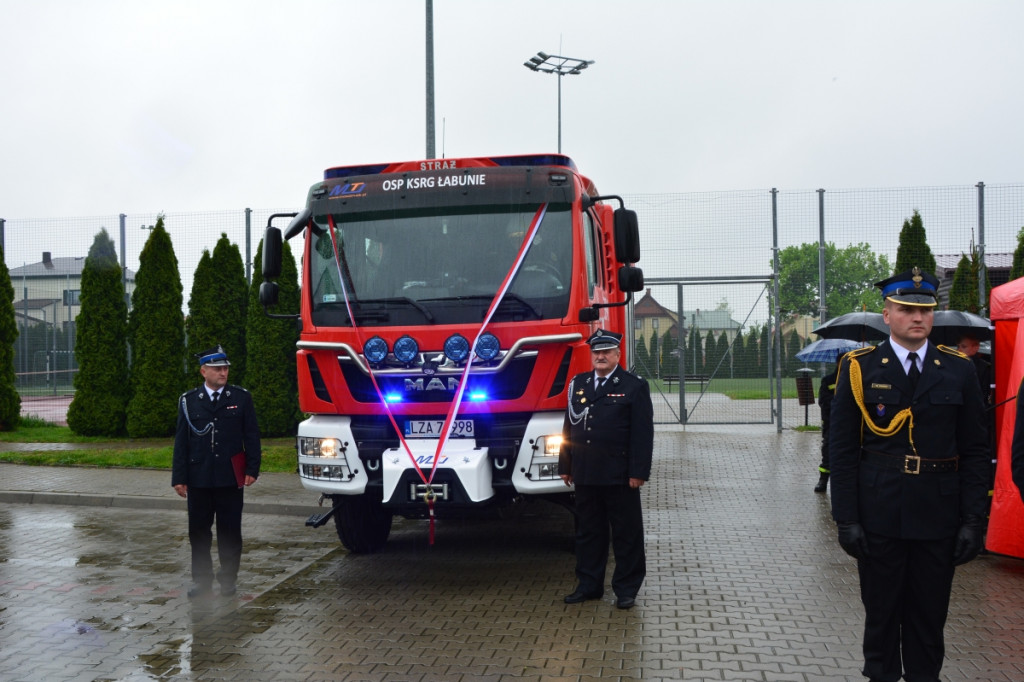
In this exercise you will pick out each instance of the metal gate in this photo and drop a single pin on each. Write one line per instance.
(722, 368)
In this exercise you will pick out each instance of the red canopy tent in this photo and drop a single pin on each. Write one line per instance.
(1006, 521)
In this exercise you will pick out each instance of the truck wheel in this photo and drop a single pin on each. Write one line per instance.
(363, 525)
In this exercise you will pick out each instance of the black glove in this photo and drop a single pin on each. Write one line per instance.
(853, 540)
(969, 540)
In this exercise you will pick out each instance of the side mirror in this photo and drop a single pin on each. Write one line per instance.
(627, 236)
(268, 294)
(589, 315)
(271, 256)
(631, 278)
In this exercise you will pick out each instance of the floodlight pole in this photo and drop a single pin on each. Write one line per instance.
(560, 66)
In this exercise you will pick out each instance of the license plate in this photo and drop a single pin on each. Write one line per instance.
(431, 428)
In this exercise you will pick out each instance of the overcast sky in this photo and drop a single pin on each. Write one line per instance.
(111, 106)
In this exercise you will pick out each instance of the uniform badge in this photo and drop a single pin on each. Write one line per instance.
(885, 361)
(917, 278)
(880, 409)
(584, 400)
(937, 361)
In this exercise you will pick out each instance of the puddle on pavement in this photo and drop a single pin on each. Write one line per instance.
(217, 640)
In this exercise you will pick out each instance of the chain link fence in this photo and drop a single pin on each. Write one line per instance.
(706, 330)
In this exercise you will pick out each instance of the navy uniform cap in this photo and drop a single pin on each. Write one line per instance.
(602, 339)
(912, 287)
(215, 357)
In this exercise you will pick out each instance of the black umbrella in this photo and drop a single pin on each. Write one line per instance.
(860, 326)
(952, 325)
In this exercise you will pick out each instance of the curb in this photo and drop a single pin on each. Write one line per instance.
(141, 502)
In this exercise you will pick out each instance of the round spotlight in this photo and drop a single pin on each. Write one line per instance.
(487, 347)
(375, 350)
(456, 348)
(406, 349)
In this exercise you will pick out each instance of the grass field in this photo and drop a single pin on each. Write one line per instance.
(737, 389)
(150, 453)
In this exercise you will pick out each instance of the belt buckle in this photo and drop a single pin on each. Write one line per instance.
(907, 460)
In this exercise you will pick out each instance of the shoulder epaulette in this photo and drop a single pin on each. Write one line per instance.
(857, 352)
(951, 351)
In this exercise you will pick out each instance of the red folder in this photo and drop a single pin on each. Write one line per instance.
(238, 464)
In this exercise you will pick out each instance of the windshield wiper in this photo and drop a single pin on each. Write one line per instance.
(508, 299)
(401, 299)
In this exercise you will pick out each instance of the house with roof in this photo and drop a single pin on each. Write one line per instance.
(651, 317)
(49, 292)
(998, 266)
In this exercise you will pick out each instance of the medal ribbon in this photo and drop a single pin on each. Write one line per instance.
(457, 402)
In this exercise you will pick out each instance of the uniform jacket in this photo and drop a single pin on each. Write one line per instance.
(949, 421)
(612, 440)
(203, 450)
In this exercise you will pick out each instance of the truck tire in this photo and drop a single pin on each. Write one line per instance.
(363, 525)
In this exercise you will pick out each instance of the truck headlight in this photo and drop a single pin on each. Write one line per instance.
(320, 447)
(552, 444)
(544, 464)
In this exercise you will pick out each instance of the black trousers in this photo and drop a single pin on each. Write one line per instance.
(905, 587)
(614, 508)
(225, 506)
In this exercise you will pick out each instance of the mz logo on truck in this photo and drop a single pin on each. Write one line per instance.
(432, 384)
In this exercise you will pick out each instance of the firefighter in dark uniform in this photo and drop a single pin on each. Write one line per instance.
(910, 472)
(826, 392)
(216, 422)
(607, 444)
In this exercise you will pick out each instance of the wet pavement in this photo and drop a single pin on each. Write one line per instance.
(745, 582)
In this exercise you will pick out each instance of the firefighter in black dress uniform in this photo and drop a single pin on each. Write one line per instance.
(607, 444)
(216, 422)
(910, 472)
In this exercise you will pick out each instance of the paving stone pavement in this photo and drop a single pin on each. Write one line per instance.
(745, 582)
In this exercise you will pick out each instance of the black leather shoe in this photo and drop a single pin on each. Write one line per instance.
(581, 596)
(625, 602)
(228, 590)
(199, 590)
(822, 484)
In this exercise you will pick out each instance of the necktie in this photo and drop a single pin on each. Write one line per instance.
(913, 373)
(215, 397)
(600, 382)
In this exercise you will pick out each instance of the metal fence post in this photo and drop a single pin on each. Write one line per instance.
(822, 304)
(681, 369)
(3, 242)
(777, 336)
(982, 271)
(248, 247)
(124, 262)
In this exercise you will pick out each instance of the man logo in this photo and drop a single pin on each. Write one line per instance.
(434, 384)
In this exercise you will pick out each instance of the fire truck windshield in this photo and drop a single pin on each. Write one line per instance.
(422, 267)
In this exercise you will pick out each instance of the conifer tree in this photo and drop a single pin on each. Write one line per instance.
(642, 358)
(156, 329)
(1017, 269)
(765, 352)
(913, 248)
(963, 293)
(10, 401)
(655, 364)
(695, 358)
(790, 361)
(217, 306)
(725, 371)
(270, 351)
(101, 346)
(669, 359)
(710, 353)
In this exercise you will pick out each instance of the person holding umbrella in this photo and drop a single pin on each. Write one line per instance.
(909, 473)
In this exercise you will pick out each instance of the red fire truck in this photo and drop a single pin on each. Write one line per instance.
(445, 305)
